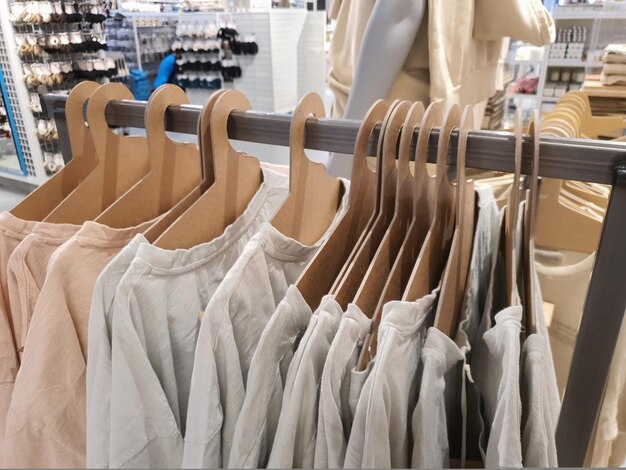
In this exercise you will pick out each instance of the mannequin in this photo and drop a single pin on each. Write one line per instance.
(384, 48)
(383, 52)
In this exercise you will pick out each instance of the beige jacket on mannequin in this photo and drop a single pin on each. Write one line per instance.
(455, 53)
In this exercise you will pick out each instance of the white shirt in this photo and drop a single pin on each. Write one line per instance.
(230, 332)
(335, 417)
(382, 438)
(258, 420)
(540, 394)
(99, 354)
(442, 390)
(157, 311)
(496, 370)
(294, 443)
(440, 355)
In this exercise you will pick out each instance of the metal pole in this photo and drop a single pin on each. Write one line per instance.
(599, 329)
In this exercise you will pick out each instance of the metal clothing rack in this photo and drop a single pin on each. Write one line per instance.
(570, 159)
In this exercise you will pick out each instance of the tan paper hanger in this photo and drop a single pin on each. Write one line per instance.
(510, 217)
(456, 271)
(373, 283)
(122, 161)
(423, 212)
(41, 202)
(559, 225)
(206, 166)
(428, 270)
(324, 267)
(314, 195)
(385, 269)
(174, 168)
(528, 251)
(352, 280)
(238, 178)
(377, 165)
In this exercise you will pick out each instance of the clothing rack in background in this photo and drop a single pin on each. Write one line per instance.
(569, 159)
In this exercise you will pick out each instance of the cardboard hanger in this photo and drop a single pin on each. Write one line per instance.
(377, 165)
(174, 168)
(319, 275)
(528, 251)
(559, 225)
(511, 217)
(314, 195)
(373, 283)
(41, 202)
(389, 177)
(428, 269)
(238, 178)
(122, 161)
(206, 167)
(385, 268)
(456, 271)
(423, 212)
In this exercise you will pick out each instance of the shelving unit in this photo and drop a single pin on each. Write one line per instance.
(605, 23)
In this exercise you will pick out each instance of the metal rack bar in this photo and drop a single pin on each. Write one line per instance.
(572, 159)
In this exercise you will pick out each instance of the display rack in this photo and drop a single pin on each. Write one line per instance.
(571, 159)
(604, 23)
(144, 39)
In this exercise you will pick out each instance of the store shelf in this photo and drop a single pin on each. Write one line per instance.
(527, 61)
(567, 63)
(549, 99)
(588, 13)
(577, 13)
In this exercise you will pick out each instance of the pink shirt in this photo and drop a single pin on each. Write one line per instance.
(46, 420)
(12, 232)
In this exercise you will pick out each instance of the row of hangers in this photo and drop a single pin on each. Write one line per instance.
(571, 213)
(404, 233)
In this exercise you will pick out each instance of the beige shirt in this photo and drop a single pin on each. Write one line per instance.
(294, 443)
(47, 411)
(335, 416)
(99, 353)
(26, 271)
(256, 427)
(381, 434)
(233, 323)
(454, 56)
(12, 232)
(156, 317)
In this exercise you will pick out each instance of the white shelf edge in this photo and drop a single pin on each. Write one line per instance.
(549, 99)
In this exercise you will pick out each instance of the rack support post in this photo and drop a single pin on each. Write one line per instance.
(600, 325)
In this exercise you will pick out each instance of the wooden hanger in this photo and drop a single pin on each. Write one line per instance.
(238, 178)
(428, 270)
(377, 165)
(41, 202)
(384, 268)
(373, 283)
(352, 280)
(528, 251)
(122, 161)
(206, 167)
(314, 195)
(456, 271)
(559, 226)
(174, 168)
(324, 267)
(511, 217)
